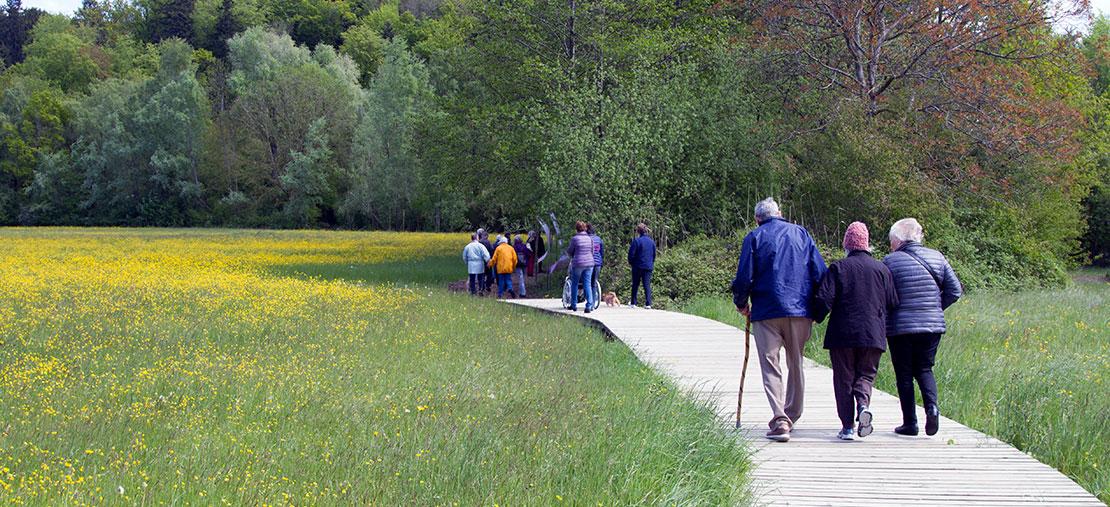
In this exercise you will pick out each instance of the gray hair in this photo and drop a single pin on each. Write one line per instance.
(767, 208)
(906, 229)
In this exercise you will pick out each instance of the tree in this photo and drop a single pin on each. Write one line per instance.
(280, 89)
(139, 144)
(871, 47)
(15, 27)
(58, 54)
(167, 19)
(387, 165)
(313, 22)
(307, 178)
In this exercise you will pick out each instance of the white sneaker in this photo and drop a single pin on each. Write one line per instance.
(847, 434)
(647, 307)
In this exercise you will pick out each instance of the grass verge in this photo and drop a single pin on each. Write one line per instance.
(1029, 368)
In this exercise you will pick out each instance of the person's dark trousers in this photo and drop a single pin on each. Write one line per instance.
(854, 370)
(473, 281)
(596, 277)
(490, 278)
(504, 284)
(641, 276)
(913, 356)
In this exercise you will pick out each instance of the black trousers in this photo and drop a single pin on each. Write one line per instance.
(854, 370)
(474, 280)
(913, 356)
(638, 276)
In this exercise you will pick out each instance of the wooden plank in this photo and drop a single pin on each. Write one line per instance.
(959, 466)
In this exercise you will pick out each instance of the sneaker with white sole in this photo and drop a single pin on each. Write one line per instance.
(864, 418)
(847, 434)
(647, 307)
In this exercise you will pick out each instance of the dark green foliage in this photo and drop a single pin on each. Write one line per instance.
(139, 145)
(1097, 239)
(466, 113)
(698, 266)
(306, 178)
(168, 19)
(15, 27)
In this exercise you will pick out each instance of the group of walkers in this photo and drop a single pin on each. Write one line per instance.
(784, 287)
(499, 262)
(587, 253)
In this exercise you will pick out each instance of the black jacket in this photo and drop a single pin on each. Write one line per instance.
(858, 291)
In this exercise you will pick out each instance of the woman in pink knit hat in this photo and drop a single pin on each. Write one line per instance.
(856, 293)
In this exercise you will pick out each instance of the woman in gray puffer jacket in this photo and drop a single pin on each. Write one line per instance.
(926, 286)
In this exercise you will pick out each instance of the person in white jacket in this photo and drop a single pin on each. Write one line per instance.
(476, 256)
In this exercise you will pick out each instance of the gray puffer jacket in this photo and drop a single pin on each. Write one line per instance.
(921, 301)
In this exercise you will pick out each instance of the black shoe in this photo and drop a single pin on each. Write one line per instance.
(932, 420)
(587, 310)
(910, 430)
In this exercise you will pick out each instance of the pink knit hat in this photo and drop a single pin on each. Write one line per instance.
(856, 237)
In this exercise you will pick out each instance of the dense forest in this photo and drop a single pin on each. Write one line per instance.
(980, 118)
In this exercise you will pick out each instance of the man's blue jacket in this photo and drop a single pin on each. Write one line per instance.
(779, 269)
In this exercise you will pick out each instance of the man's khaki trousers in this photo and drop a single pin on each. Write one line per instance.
(772, 336)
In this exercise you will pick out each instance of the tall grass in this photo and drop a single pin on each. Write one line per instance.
(1030, 368)
(138, 371)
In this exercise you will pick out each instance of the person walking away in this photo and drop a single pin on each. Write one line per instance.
(641, 257)
(522, 255)
(539, 249)
(778, 270)
(856, 293)
(926, 285)
(530, 269)
(475, 256)
(599, 257)
(483, 238)
(503, 262)
(581, 254)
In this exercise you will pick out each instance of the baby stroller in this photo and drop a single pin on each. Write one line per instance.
(570, 290)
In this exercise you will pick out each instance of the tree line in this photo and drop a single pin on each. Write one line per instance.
(979, 118)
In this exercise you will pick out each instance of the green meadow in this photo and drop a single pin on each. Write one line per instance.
(1030, 368)
(154, 367)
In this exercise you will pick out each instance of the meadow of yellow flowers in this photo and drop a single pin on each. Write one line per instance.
(190, 367)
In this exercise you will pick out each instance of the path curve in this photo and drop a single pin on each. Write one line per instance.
(958, 466)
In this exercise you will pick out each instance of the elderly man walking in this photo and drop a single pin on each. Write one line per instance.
(926, 285)
(476, 256)
(778, 270)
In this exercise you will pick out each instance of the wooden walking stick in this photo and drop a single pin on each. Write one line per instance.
(744, 366)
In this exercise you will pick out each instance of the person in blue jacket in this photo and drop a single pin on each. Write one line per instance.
(641, 257)
(927, 285)
(599, 256)
(778, 271)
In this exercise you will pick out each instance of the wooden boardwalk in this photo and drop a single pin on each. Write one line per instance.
(958, 466)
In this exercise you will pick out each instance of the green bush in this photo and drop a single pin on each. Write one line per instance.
(698, 266)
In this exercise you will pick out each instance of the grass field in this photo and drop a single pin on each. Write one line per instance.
(1030, 368)
(249, 367)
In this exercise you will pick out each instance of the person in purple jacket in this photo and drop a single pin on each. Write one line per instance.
(581, 254)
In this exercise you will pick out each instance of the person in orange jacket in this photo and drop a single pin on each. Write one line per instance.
(503, 262)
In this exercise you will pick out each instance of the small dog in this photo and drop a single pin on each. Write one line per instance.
(611, 299)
